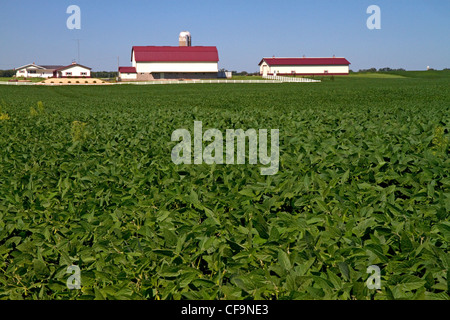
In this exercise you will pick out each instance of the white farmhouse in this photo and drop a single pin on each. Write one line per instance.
(74, 70)
(168, 62)
(304, 66)
(33, 70)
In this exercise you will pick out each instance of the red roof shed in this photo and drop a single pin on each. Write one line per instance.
(127, 69)
(305, 61)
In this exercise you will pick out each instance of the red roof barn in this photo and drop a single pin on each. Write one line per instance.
(174, 54)
(168, 62)
(304, 66)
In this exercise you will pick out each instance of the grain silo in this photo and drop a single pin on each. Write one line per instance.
(185, 39)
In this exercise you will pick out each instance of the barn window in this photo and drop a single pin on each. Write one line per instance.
(68, 73)
(84, 73)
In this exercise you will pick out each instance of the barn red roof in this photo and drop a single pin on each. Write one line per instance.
(304, 61)
(175, 54)
(127, 69)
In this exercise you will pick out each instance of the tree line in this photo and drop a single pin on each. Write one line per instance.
(7, 73)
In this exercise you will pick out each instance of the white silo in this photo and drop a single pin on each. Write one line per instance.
(185, 39)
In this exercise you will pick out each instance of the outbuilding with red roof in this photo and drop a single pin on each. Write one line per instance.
(304, 66)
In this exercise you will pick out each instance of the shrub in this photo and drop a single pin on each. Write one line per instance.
(33, 112)
(78, 131)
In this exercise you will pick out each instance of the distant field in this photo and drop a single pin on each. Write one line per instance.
(430, 74)
(86, 178)
(376, 75)
(247, 78)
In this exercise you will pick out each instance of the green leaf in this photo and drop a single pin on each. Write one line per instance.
(163, 252)
(247, 192)
(409, 283)
(345, 176)
(40, 268)
(284, 261)
(343, 267)
(261, 226)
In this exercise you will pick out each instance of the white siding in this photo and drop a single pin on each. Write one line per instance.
(133, 61)
(176, 67)
(128, 76)
(43, 74)
(76, 72)
(264, 69)
(24, 72)
(306, 69)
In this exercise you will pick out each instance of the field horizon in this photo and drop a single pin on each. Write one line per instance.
(86, 179)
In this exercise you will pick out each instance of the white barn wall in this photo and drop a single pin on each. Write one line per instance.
(128, 76)
(305, 69)
(133, 61)
(309, 69)
(150, 67)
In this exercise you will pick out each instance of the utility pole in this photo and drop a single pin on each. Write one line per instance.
(78, 41)
(78, 50)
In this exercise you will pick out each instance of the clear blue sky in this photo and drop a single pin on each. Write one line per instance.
(414, 33)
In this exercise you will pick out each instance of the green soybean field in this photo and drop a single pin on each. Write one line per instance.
(87, 180)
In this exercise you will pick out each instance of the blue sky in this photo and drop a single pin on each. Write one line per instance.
(414, 34)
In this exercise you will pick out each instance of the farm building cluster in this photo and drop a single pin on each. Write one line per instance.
(189, 62)
(198, 62)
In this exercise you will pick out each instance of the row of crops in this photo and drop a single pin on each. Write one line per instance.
(86, 179)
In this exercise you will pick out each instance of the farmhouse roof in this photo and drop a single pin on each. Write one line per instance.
(52, 67)
(30, 65)
(45, 70)
(127, 69)
(47, 67)
(73, 65)
(304, 61)
(175, 54)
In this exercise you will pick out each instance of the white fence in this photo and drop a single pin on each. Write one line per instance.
(268, 79)
(197, 81)
(17, 83)
(289, 79)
